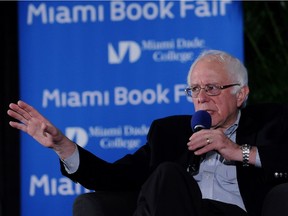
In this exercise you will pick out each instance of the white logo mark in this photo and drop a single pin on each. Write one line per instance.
(130, 48)
(78, 135)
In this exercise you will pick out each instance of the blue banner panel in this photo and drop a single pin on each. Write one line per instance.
(101, 71)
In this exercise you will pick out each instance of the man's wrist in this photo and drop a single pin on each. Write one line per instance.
(65, 149)
(71, 163)
(245, 154)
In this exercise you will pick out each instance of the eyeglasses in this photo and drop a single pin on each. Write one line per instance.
(210, 89)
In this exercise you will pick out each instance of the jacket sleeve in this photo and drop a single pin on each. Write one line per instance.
(128, 173)
(272, 145)
(266, 126)
(166, 141)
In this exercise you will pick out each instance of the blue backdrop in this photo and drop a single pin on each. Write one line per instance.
(102, 71)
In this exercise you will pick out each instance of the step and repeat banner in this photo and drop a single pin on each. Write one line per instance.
(101, 71)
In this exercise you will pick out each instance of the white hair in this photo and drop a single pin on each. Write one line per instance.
(236, 70)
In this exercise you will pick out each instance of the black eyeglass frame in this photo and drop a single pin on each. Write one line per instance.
(189, 91)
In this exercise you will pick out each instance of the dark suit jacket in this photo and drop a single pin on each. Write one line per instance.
(264, 126)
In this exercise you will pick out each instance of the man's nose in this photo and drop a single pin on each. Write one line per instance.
(202, 96)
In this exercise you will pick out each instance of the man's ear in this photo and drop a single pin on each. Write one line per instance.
(242, 95)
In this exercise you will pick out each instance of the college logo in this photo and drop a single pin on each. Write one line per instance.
(77, 135)
(129, 50)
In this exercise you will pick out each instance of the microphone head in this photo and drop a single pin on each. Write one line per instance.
(201, 120)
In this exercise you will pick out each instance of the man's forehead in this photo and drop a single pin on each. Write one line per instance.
(203, 67)
(209, 73)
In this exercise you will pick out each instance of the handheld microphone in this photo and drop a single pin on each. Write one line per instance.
(200, 120)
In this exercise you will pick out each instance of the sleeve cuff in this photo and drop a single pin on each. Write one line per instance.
(71, 163)
(257, 161)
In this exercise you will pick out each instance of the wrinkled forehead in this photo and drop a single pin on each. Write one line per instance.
(221, 61)
(210, 68)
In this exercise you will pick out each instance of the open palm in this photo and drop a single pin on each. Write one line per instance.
(33, 123)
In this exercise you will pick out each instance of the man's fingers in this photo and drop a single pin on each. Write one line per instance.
(16, 108)
(17, 116)
(30, 111)
(18, 125)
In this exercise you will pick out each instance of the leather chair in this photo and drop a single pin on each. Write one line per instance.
(276, 201)
(105, 203)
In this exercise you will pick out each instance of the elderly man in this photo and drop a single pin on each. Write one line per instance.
(242, 156)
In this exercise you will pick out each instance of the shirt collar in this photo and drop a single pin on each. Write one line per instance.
(230, 130)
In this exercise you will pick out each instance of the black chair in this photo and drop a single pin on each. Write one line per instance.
(276, 201)
(105, 203)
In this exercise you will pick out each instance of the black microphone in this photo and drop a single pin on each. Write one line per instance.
(200, 120)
